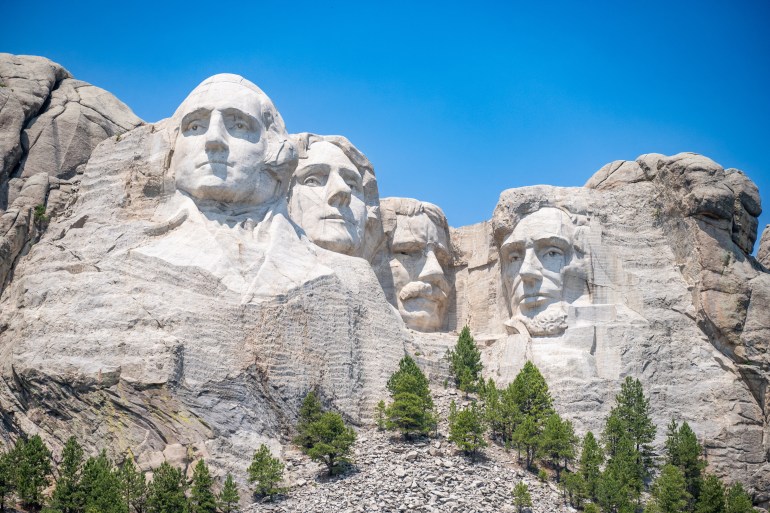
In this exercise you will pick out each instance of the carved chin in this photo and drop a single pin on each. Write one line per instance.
(422, 314)
(549, 323)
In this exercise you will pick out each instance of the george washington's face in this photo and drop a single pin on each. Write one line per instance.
(219, 152)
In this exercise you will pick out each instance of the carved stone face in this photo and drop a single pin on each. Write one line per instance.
(535, 258)
(327, 199)
(219, 153)
(420, 255)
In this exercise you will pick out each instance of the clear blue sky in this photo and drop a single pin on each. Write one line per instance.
(452, 102)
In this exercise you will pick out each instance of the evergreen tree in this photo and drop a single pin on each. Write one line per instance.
(574, 488)
(521, 497)
(465, 362)
(202, 498)
(591, 508)
(101, 487)
(309, 412)
(530, 393)
(619, 485)
(493, 414)
(6, 477)
(510, 415)
(737, 500)
(528, 404)
(267, 471)
(630, 418)
(669, 493)
(334, 441)
(558, 442)
(527, 437)
(379, 412)
(228, 497)
(712, 496)
(591, 460)
(133, 486)
(683, 451)
(411, 411)
(32, 463)
(466, 429)
(67, 496)
(166, 492)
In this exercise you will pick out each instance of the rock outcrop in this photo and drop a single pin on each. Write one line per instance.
(763, 252)
(198, 276)
(49, 125)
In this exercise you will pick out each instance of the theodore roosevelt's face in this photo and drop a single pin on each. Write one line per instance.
(534, 256)
(220, 149)
(420, 255)
(327, 199)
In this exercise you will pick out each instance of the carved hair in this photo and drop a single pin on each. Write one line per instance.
(409, 207)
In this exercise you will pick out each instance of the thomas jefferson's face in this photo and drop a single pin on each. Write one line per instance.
(420, 253)
(220, 149)
(534, 256)
(327, 199)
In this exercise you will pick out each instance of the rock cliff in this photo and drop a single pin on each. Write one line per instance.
(186, 283)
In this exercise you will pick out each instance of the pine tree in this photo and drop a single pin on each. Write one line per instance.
(67, 496)
(510, 415)
(133, 486)
(619, 485)
(379, 412)
(466, 429)
(6, 477)
(411, 411)
(465, 362)
(591, 460)
(228, 497)
(166, 492)
(493, 414)
(558, 442)
(591, 508)
(334, 441)
(309, 412)
(267, 471)
(101, 487)
(202, 498)
(574, 488)
(527, 437)
(685, 452)
(530, 392)
(669, 492)
(521, 497)
(712, 496)
(32, 463)
(630, 417)
(737, 500)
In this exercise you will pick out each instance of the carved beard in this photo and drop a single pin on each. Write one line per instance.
(550, 322)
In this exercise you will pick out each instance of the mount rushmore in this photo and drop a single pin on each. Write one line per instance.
(177, 287)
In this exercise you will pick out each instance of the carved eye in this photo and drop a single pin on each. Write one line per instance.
(553, 253)
(194, 127)
(514, 257)
(313, 181)
(240, 126)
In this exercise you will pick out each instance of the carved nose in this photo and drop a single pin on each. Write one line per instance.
(216, 135)
(337, 191)
(431, 269)
(531, 270)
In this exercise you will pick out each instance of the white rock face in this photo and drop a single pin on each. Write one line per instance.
(418, 242)
(200, 275)
(333, 196)
(153, 317)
